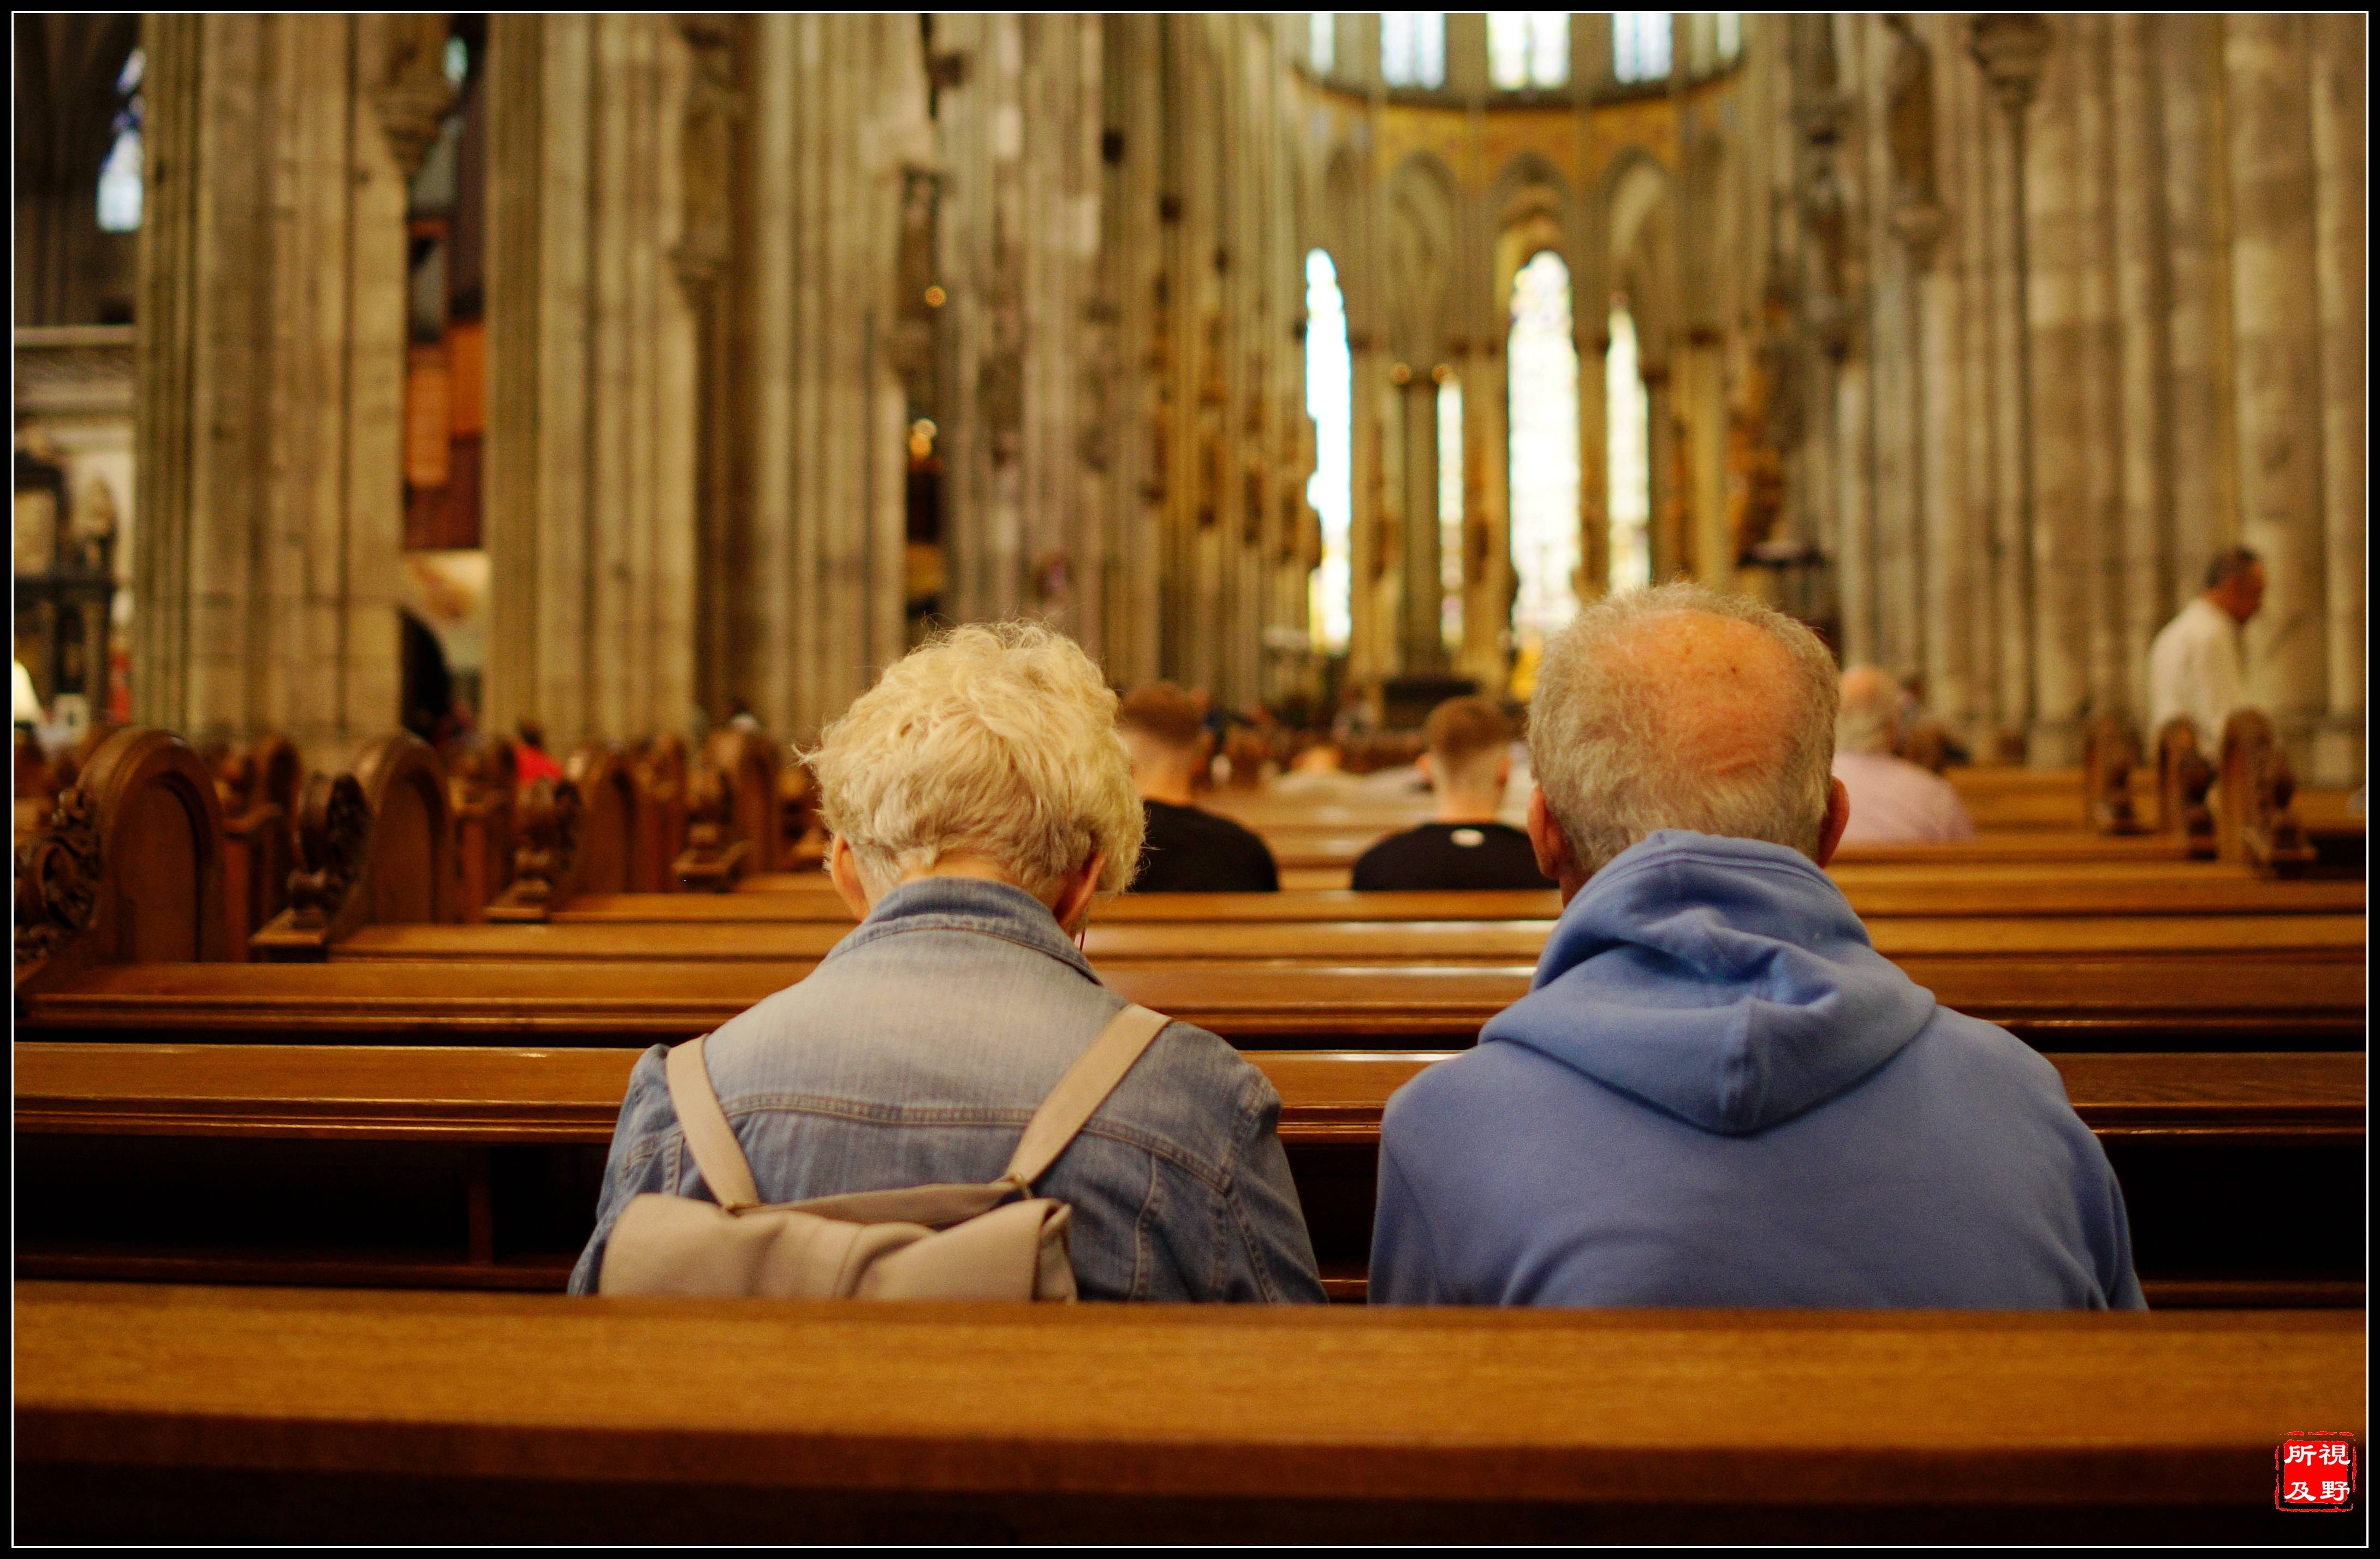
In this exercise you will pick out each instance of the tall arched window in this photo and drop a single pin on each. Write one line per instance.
(1322, 41)
(1330, 589)
(1627, 422)
(1450, 512)
(1413, 48)
(1640, 45)
(1528, 49)
(119, 176)
(1543, 360)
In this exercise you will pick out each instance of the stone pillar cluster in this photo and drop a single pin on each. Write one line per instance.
(2087, 306)
(1974, 335)
(270, 360)
(592, 368)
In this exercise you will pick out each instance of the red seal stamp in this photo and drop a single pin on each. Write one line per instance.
(2316, 1471)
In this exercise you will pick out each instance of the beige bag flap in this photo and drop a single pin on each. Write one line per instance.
(676, 1245)
(665, 1244)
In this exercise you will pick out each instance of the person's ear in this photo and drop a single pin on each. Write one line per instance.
(843, 867)
(1550, 845)
(1838, 818)
(1075, 895)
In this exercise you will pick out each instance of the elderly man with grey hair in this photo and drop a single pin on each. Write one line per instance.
(981, 805)
(1893, 801)
(1716, 1092)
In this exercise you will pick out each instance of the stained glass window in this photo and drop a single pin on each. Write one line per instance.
(1528, 49)
(1543, 360)
(1626, 419)
(1413, 48)
(1640, 45)
(1322, 41)
(1450, 512)
(1330, 491)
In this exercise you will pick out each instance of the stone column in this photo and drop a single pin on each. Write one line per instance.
(2277, 344)
(270, 369)
(2336, 46)
(594, 347)
(2144, 585)
(2189, 95)
(2010, 48)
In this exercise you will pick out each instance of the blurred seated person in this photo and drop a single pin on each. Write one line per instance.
(1893, 801)
(1186, 849)
(530, 761)
(1468, 762)
(1319, 770)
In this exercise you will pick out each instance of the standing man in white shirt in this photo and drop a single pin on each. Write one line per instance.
(2196, 666)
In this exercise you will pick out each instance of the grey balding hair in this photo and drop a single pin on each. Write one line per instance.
(1612, 775)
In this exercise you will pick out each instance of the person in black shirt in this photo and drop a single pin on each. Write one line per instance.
(1187, 849)
(1470, 759)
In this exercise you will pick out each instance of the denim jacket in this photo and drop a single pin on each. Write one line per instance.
(916, 1053)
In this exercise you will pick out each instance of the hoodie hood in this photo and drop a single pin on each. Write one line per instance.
(1726, 982)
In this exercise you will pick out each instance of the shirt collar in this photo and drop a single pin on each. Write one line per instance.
(968, 904)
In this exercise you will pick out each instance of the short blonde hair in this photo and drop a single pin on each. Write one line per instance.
(998, 741)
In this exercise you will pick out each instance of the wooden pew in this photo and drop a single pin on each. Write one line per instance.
(2338, 937)
(128, 868)
(2108, 888)
(259, 790)
(262, 1416)
(378, 845)
(735, 813)
(2241, 1171)
(2055, 1003)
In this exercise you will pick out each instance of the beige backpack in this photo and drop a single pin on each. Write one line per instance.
(928, 1242)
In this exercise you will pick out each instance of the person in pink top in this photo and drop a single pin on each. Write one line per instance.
(1893, 800)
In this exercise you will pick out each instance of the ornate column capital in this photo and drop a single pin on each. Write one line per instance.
(2012, 47)
(409, 92)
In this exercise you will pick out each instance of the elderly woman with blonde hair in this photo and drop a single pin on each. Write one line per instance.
(981, 804)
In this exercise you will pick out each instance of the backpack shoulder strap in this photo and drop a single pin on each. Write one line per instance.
(708, 1135)
(1082, 1090)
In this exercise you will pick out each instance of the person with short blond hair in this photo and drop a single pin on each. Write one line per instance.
(1466, 846)
(981, 805)
(1716, 1092)
(1186, 849)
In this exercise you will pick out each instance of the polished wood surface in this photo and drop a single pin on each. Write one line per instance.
(2213, 1002)
(486, 1094)
(1371, 941)
(2007, 889)
(1679, 1412)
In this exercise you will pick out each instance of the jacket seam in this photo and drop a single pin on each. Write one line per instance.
(966, 1115)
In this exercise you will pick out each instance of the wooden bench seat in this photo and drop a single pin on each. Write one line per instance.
(2012, 889)
(1372, 941)
(175, 1413)
(2204, 1002)
(2242, 1171)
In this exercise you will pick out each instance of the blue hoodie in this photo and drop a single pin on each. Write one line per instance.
(1718, 1092)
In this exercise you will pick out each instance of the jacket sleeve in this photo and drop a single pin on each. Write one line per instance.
(1405, 1259)
(1267, 1252)
(636, 1163)
(2105, 1224)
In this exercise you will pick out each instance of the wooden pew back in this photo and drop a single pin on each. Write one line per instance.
(129, 869)
(379, 848)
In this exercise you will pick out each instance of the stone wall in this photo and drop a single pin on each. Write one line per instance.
(2087, 297)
